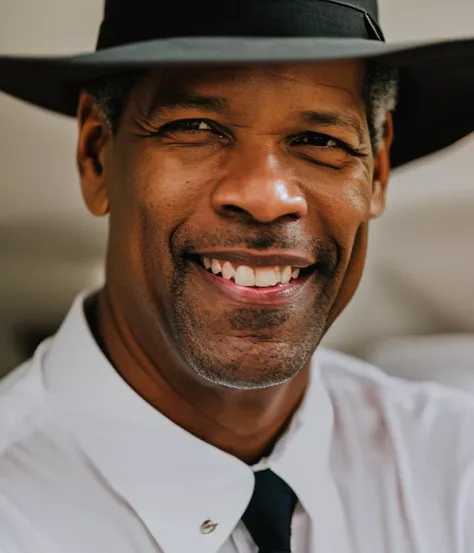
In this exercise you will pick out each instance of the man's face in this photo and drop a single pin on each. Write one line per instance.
(223, 185)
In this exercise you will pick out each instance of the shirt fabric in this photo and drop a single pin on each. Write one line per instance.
(379, 465)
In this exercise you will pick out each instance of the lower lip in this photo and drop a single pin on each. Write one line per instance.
(272, 295)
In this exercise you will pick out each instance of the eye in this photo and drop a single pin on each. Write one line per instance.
(324, 148)
(318, 140)
(190, 126)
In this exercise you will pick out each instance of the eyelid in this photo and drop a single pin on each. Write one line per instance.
(341, 143)
(214, 126)
(319, 134)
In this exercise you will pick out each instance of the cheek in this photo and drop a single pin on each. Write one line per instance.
(173, 183)
(158, 193)
(138, 218)
(345, 212)
(341, 202)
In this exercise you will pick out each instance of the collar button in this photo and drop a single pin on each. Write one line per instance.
(208, 526)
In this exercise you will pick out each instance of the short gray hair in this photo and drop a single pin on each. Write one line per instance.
(381, 91)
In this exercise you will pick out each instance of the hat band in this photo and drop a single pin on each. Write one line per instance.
(238, 18)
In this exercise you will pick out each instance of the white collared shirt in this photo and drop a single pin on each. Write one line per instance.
(379, 465)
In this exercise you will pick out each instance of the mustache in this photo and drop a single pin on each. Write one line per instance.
(326, 250)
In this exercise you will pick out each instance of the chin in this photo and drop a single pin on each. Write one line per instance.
(245, 364)
(251, 380)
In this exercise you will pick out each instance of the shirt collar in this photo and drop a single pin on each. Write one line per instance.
(173, 480)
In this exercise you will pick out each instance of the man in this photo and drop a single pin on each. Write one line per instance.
(240, 150)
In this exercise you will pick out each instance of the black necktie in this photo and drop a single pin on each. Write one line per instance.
(268, 516)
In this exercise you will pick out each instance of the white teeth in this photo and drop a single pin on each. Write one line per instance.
(266, 276)
(215, 266)
(227, 270)
(248, 276)
(244, 276)
(286, 274)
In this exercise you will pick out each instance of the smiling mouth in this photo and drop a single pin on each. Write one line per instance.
(253, 276)
(256, 285)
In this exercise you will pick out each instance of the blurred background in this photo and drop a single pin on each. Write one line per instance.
(414, 312)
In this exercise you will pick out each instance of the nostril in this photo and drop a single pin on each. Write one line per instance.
(291, 217)
(231, 208)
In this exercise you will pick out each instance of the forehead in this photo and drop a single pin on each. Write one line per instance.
(341, 81)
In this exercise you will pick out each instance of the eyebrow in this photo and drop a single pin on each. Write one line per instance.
(167, 100)
(328, 119)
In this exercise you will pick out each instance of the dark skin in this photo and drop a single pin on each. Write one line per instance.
(251, 171)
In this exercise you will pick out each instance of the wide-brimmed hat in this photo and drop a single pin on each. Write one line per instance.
(436, 90)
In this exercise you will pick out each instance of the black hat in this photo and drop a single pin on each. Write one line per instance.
(436, 96)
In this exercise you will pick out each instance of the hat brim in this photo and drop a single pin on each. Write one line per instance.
(436, 103)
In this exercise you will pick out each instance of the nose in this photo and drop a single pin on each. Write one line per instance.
(259, 187)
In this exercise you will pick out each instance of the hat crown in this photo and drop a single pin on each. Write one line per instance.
(370, 6)
(112, 6)
(127, 21)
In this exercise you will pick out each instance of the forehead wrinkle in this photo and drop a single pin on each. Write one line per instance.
(304, 82)
(168, 98)
(342, 117)
(166, 77)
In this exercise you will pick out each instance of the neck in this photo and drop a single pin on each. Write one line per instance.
(243, 423)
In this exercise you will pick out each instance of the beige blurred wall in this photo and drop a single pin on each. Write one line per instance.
(50, 247)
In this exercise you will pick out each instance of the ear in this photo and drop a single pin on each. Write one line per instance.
(382, 171)
(94, 141)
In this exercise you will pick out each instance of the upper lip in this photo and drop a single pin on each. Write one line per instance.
(259, 259)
